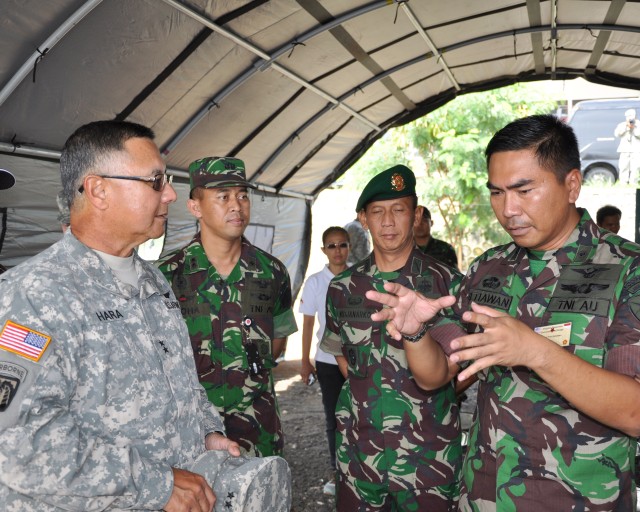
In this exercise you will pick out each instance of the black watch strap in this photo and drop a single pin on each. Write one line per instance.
(417, 336)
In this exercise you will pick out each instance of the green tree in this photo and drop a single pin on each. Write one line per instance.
(445, 149)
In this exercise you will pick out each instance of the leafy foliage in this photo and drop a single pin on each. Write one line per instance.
(445, 149)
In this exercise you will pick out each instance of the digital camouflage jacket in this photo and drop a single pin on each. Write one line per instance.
(100, 398)
(389, 430)
(530, 450)
(232, 323)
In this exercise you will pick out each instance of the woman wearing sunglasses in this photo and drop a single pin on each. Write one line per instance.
(335, 245)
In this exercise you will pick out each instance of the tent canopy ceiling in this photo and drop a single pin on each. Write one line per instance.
(298, 89)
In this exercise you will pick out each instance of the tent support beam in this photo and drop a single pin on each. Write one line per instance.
(535, 20)
(613, 13)
(265, 57)
(554, 38)
(46, 46)
(434, 49)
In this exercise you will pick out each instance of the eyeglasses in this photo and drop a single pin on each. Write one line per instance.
(158, 181)
(342, 245)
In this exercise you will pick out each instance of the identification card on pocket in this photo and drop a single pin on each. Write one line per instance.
(560, 334)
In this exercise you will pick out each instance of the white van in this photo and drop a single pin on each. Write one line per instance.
(594, 122)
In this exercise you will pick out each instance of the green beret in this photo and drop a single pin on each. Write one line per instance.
(398, 181)
(215, 171)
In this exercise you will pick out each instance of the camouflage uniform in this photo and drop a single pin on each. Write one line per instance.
(106, 399)
(529, 449)
(440, 250)
(393, 437)
(232, 323)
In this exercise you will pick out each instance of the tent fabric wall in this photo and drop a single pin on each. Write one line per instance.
(298, 89)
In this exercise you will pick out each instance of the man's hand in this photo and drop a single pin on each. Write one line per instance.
(306, 369)
(216, 441)
(406, 309)
(191, 493)
(504, 341)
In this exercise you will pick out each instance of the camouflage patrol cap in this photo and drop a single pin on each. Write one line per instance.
(246, 484)
(216, 171)
(7, 179)
(397, 181)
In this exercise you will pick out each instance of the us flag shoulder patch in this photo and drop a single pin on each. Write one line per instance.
(23, 341)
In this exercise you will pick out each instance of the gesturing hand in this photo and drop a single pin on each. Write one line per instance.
(405, 309)
(504, 341)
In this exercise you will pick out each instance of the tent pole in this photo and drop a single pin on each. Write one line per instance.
(45, 47)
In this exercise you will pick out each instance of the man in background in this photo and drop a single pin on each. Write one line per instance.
(398, 447)
(236, 300)
(628, 132)
(608, 217)
(438, 249)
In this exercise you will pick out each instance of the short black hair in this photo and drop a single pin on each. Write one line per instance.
(553, 141)
(426, 214)
(607, 211)
(88, 145)
(334, 229)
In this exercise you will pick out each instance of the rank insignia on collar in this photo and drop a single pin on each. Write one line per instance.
(23, 341)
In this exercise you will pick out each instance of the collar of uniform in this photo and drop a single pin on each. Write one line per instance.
(413, 266)
(249, 259)
(195, 258)
(99, 272)
(581, 245)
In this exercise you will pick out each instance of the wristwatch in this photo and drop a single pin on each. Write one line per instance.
(417, 336)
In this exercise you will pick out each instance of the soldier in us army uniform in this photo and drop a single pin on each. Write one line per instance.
(558, 347)
(398, 446)
(100, 406)
(236, 300)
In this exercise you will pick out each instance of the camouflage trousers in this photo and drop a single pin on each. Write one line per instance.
(360, 496)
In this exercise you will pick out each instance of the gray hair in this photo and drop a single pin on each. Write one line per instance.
(90, 146)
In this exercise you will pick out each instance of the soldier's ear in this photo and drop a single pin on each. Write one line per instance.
(94, 190)
(193, 205)
(362, 217)
(417, 216)
(573, 181)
